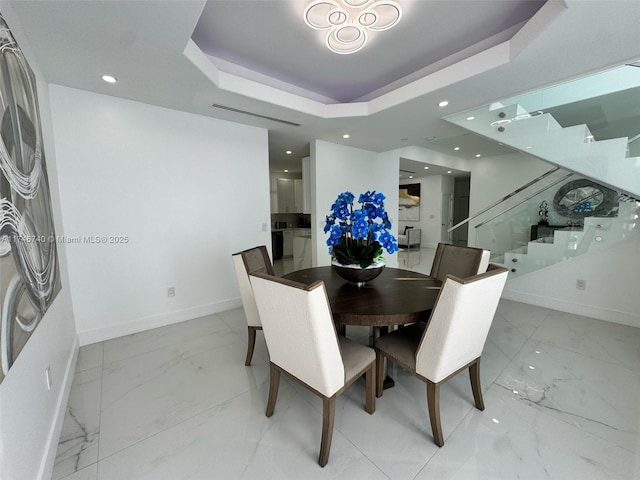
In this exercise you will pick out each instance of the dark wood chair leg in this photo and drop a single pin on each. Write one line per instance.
(342, 329)
(252, 343)
(379, 374)
(370, 379)
(274, 384)
(328, 415)
(433, 404)
(476, 386)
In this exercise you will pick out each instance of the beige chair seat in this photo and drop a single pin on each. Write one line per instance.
(356, 358)
(402, 345)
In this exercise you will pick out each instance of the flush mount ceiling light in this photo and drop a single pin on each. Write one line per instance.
(348, 21)
(109, 78)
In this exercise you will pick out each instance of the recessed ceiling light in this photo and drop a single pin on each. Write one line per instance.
(429, 139)
(109, 79)
(286, 171)
(410, 176)
(346, 135)
(471, 118)
(448, 171)
(478, 155)
(443, 103)
(426, 168)
(528, 147)
(288, 152)
(457, 148)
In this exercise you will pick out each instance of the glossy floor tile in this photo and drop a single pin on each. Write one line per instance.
(561, 394)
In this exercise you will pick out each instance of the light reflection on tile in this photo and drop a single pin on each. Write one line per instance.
(148, 340)
(166, 386)
(526, 443)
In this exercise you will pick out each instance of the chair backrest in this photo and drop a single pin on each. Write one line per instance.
(253, 260)
(459, 323)
(459, 261)
(299, 331)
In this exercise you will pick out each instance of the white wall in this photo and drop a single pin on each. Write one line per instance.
(30, 415)
(335, 169)
(185, 190)
(612, 277)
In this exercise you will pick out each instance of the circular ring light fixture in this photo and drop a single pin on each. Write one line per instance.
(348, 21)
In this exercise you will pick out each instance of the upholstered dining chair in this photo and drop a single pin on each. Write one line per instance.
(459, 261)
(302, 342)
(253, 260)
(450, 342)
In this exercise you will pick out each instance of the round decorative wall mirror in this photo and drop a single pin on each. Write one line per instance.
(584, 198)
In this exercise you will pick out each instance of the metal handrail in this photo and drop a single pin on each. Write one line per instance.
(524, 200)
(506, 197)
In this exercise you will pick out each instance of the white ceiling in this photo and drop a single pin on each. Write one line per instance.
(263, 59)
(271, 38)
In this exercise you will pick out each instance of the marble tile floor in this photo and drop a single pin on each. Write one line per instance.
(561, 394)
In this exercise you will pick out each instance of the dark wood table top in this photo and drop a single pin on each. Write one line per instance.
(395, 297)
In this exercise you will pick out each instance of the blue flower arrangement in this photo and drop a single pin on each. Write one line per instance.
(359, 235)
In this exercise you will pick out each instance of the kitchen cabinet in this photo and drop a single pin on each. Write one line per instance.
(287, 243)
(286, 195)
(290, 195)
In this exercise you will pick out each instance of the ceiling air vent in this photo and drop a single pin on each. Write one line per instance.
(235, 110)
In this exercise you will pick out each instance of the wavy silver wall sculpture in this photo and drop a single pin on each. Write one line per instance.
(29, 278)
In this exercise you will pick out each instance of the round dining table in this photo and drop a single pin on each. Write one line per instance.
(395, 297)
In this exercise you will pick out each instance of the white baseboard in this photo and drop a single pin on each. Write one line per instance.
(147, 323)
(51, 447)
(615, 316)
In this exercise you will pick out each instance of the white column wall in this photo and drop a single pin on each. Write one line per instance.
(185, 191)
(338, 168)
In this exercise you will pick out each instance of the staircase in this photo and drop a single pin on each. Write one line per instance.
(504, 227)
(572, 148)
(598, 232)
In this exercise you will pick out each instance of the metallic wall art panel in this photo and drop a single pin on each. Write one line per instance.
(29, 278)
